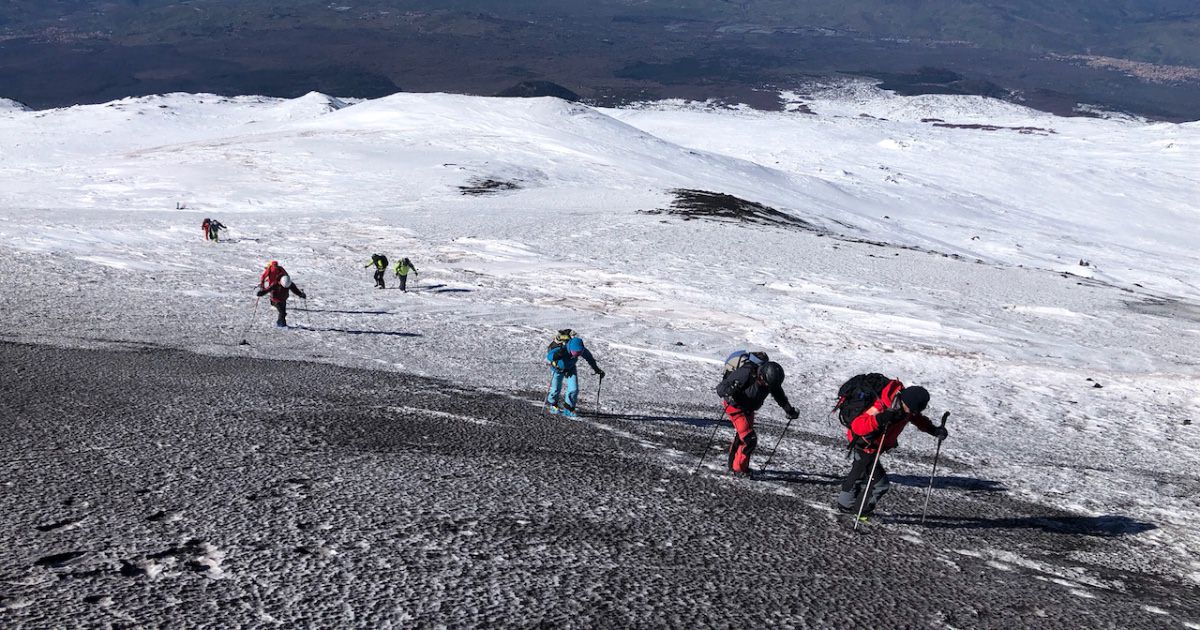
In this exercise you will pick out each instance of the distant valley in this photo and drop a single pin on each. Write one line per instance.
(606, 52)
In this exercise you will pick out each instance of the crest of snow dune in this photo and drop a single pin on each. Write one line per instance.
(552, 141)
(310, 105)
(403, 111)
(861, 98)
(9, 105)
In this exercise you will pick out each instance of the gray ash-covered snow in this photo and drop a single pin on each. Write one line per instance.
(165, 489)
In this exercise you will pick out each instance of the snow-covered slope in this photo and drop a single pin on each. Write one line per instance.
(9, 105)
(1070, 382)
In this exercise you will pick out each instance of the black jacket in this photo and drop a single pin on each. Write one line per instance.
(742, 390)
(280, 294)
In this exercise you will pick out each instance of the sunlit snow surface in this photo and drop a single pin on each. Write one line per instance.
(984, 298)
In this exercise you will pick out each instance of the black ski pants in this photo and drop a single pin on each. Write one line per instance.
(856, 480)
(379, 278)
(281, 307)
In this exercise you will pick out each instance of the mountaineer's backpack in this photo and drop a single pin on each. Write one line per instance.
(857, 394)
(741, 357)
(561, 339)
(559, 342)
(379, 260)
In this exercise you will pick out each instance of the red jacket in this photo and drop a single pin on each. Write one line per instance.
(866, 423)
(271, 275)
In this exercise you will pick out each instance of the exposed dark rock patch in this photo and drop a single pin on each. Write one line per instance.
(702, 204)
(1165, 307)
(487, 186)
(692, 204)
(1042, 131)
(533, 89)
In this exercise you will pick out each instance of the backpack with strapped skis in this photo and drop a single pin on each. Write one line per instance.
(857, 394)
(742, 357)
(565, 335)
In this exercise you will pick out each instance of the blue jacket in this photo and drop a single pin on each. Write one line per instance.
(560, 360)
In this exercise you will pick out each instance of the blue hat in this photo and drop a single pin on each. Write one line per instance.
(575, 346)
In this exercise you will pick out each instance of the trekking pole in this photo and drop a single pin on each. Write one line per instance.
(598, 386)
(929, 490)
(772, 455)
(870, 479)
(251, 322)
(707, 446)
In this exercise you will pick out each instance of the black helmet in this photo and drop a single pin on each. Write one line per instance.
(771, 373)
(916, 397)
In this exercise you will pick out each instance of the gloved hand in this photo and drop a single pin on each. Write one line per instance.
(600, 373)
(261, 292)
(940, 433)
(301, 293)
(791, 412)
(887, 417)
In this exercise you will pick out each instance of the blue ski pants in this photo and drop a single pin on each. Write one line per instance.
(556, 386)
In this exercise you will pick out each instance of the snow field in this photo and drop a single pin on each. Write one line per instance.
(93, 253)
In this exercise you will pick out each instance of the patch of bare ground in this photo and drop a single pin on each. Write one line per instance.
(702, 204)
(938, 122)
(690, 204)
(487, 186)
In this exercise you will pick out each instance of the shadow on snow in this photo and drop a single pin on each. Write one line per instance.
(439, 288)
(791, 476)
(957, 483)
(633, 417)
(1107, 526)
(389, 333)
(329, 310)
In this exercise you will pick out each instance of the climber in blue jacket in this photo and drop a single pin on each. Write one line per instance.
(564, 361)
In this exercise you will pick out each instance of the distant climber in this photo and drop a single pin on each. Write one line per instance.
(276, 281)
(879, 424)
(563, 355)
(402, 270)
(212, 229)
(749, 378)
(380, 262)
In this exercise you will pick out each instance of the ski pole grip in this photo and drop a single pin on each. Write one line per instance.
(944, 416)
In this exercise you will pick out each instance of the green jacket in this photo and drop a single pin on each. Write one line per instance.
(403, 269)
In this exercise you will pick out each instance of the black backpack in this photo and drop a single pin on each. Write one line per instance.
(378, 258)
(858, 393)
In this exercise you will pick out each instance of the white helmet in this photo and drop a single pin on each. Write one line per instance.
(285, 282)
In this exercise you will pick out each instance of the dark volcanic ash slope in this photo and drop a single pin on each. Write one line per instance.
(164, 488)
